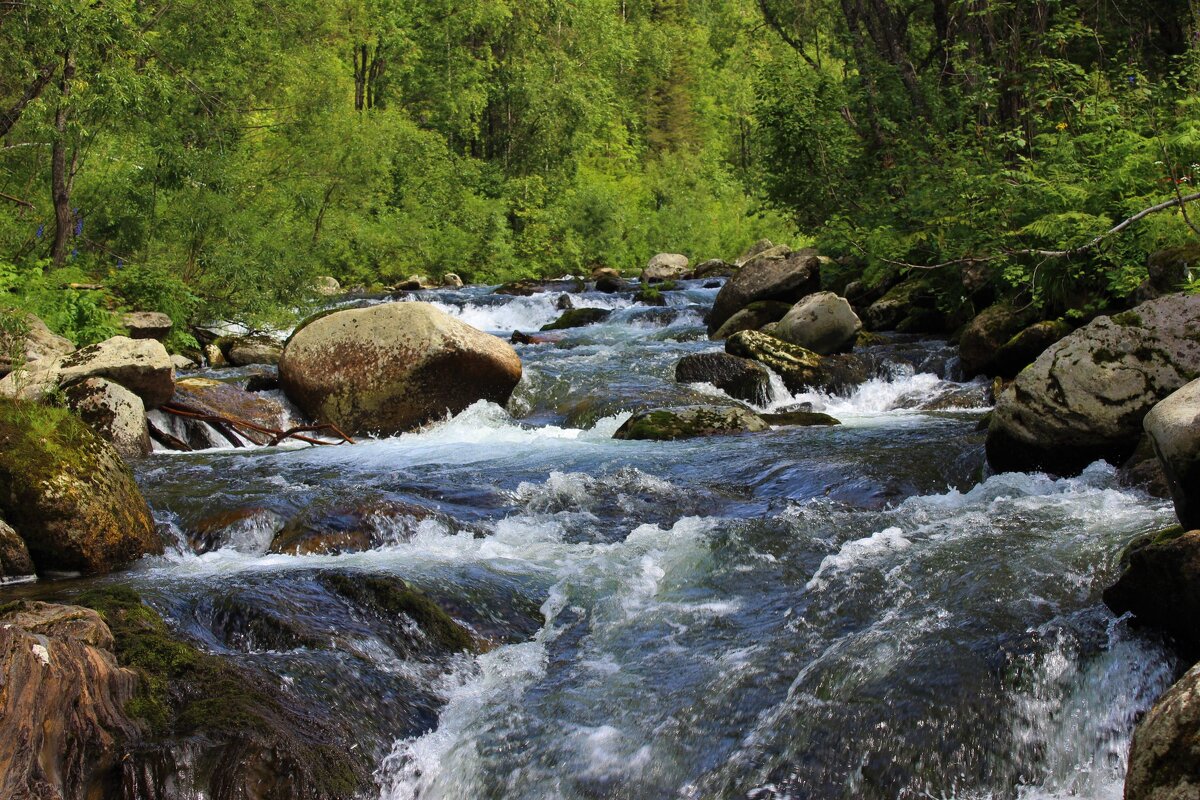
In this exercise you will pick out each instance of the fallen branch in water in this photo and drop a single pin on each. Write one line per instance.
(227, 427)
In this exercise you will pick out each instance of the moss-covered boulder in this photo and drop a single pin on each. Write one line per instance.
(1161, 585)
(801, 369)
(752, 318)
(1167, 270)
(1163, 760)
(688, 422)
(399, 602)
(394, 367)
(910, 300)
(783, 276)
(740, 378)
(245, 351)
(68, 494)
(1024, 348)
(1085, 398)
(578, 318)
(983, 337)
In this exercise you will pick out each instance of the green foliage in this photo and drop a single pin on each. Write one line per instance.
(157, 289)
(81, 315)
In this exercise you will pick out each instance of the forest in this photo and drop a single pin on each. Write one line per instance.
(210, 160)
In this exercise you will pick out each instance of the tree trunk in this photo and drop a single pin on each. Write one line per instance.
(60, 174)
(9, 117)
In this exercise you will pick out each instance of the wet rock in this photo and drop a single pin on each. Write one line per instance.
(665, 267)
(221, 399)
(785, 278)
(1169, 269)
(713, 268)
(951, 398)
(652, 295)
(524, 288)
(352, 529)
(15, 564)
(115, 413)
(63, 715)
(799, 368)
(982, 339)
(805, 419)
(327, 286)
(413, 284)
(142, 366)
(452, 281)
(687, 422)
(1144, 471)
(393, 367)
(610, 284)
(147, 325)
(564, 302)
(1085, 398)
(28, 338)
(265, 381)
(246, 351)
(247, 530)
(1023, 349)
(752, 318)
(68, 493)
(1174, 426)
(396, 600)
(821, 322)
(1163, 762)
(909, 300)
(578, 318)
(740, 378)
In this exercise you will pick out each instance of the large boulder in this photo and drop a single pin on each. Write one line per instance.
(147, 325)
(25, 340)
(688, 422)
(115, 413)
(1174, 426)
(740, 378)
(215, 398)
(821, 322)
(1164, 762)
(1161, 585)
(1023, 349)
(64, 717)
(982, 339)
(394, 367)
(68, 493)
(752, 318)
(801, 369)
(15, 564)
(665, 267)
(786, 278)
(1085, 398)
(142, 366)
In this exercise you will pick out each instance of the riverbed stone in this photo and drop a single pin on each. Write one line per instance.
(688, 422)
(115, 413)
(141, 365)
(222, 399)
(394, 367)
(665, 267)
(821, 322)
(1174, 426)
(68, 493)
(246, 351)
(713, 268)
(784, 278)
(802, 369)
(1167, 270)
(1023, 349)
(740, 378)
(910, 300)
(801, 419)
(451, 280)
(753, 317)
(983, 337)
(1164, 762)
(147, 325)
(578, 318)
(351, 529)
(25, 340)
(1161, 585)
(1085, 398)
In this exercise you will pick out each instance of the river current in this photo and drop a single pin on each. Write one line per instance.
(855, 611)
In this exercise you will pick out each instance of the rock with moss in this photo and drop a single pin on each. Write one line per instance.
(1163, 760)
(25, 340)
(398, 601)
(394, 367)
(1168, 270)
(116, 414)
(147, 325)
(910, 300)
(245, 351)
(821, 322)
(783, 277)
(652, 295)
(802, 369)
(801, 419)
(1144, 471)
(142, 366)
(689, 422)
(15, 564)
(1174, 427)
(1160, 585)
(578, 318)
(740, 378)
(1023, 349)
(68, 493)
(1085, 398)
(753, 317)
(983, 337)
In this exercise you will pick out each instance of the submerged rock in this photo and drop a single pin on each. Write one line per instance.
(115, 413)
(578, 318)
(1174, 426)
(768, 276)
(28, 339)
(800, 368)
(1161, 586)
(1163, 762)
(393, 598)
(821, 322)
(351, 529)
(687, 422)
(393, 367)
(1085, 398)
(798, 419)
(68, 494)
(740, 378)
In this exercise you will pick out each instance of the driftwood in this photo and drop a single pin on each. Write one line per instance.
(166, 439)
(227, 427)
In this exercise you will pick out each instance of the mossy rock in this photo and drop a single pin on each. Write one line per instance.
(801, 419)
(688, 422)
(578, 318)
(799, 367)
(650, 296)
(394, 597)
(246, 735)
(67, 492)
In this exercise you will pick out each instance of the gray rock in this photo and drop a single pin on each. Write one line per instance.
(909, 300)
(763, 247)
(327, 286)
(786, 278)
(451, 281)
(713, 268)
(25, 340)
(802, 369)
(181, 362)
(249, 350)
(687, 422)
(986, 334)
(1085, 398)
(1023, 349)
(1163, 760)
(740, 378)
(1161, 585)
(821, 322)
(752, 318)
(147, 325)
(115, 413)
(665, 267)
(1174, 425)
(143, 366)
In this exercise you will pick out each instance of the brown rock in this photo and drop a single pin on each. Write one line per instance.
(15, 564)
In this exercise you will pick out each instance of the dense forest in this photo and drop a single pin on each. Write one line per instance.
(211, 159)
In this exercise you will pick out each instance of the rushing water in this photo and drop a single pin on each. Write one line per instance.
(840, 612)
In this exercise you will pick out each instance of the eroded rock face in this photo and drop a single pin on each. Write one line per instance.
(821, 322)
(115, 413)
(740, 378)
(1085, 397)
(800, 368)
(27, 337)
(62, 712)
(393, 367)
(665, 267)
(1163, 762)
(767, 276)
(1174, 426)
(688, 422)
(142, 366)
(69, 495)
